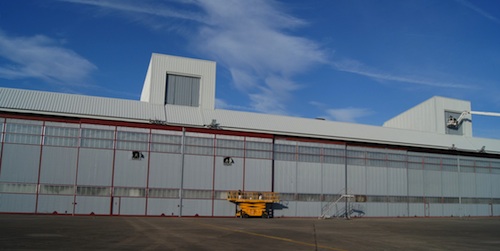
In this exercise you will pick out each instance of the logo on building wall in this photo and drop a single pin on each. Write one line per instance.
(228, 161)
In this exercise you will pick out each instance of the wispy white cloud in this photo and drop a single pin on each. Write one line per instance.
(349, 114)
(155, 8)
(41, 57)
(252, 39)
(356, 67)
(222, 104)
(479, 10)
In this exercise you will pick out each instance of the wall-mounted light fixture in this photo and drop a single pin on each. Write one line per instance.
(136, 155)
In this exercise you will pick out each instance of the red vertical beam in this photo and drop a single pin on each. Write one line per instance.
(322, 162)
(296, 188)
(441, 170)
(213, 172)
(272, 162)
(2, 139)
(423, 186)
(387, 179)
(244, 160)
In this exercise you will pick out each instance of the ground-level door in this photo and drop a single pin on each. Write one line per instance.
(116, 205)
(427, 209)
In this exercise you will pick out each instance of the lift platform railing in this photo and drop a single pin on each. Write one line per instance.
(243, 196)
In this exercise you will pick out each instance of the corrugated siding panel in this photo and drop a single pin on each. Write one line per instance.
(357, 180)
(308, 209)
(450, 184)
(285, 174)
(132, 206)
(309, 178)
(184, 115)
(333, 179)
(129, 172)
(198, 172)
(223, 208)
(495, 186)
(496, 210)
(469, 209)
(467, 184)
(397, 181)
(228, 177)
(20, 163)
(95, 167)
(421, 117)
(483, 185)
(415, 182)
(258, 175)
(397, 209)
(17, 203)
(197, 207)
(432, 183)
(435, 209)
(376, 209)
(55, 203)
(483, 210)
(158, 207)
(451, 210)
(290, 209)
(90, 204)
(58, 165)
(165, 170)
(376, 180)
(416, 209)
(79, 105)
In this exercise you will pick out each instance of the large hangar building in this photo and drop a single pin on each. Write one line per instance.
(172, 153)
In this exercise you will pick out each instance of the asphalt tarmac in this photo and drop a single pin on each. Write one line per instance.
(51, 232)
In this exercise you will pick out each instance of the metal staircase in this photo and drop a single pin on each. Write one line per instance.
(326, 211)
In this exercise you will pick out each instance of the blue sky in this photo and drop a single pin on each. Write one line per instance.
(361, 61)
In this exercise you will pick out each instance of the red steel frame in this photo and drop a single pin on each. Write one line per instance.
(81, 121)
(179, 128)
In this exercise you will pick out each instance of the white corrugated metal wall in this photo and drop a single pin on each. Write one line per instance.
(430, 116)
(86, 168)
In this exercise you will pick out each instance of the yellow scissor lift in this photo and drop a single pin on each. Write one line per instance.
(253, 204)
